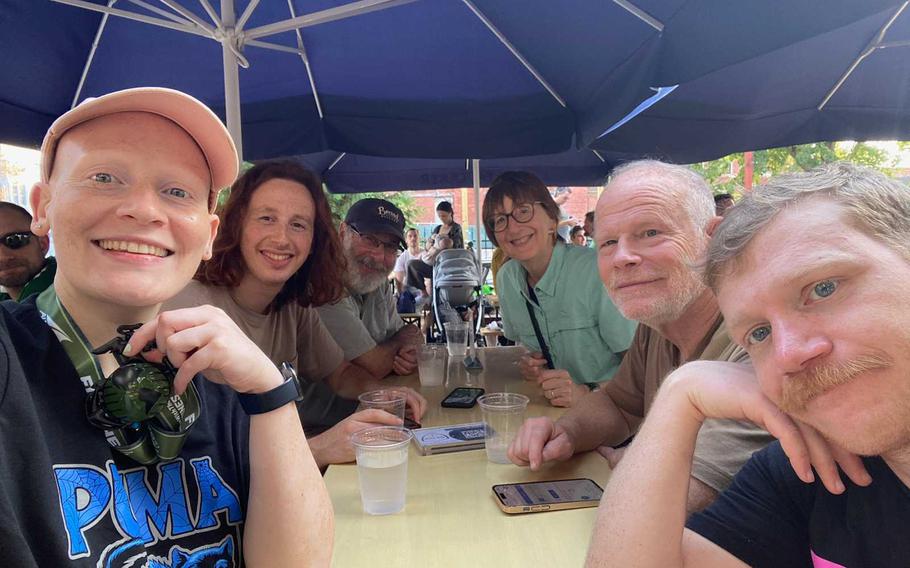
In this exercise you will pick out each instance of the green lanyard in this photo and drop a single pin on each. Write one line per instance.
(160, 438)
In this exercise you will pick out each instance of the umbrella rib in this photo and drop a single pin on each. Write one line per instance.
(169, 15)
(640, 14)
(335, 162)
(134, 16)
(246, 14)
(91, 56)
(324, 16)
(521, 58)
(874, 44)
(273, 46)
(306, 62)
(188, 15)
(211, 12)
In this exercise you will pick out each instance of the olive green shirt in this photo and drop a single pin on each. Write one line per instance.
(585, 332)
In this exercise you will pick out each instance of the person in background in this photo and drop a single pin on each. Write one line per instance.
(810, 271)
(654, 223)
(364, 322)
(577, 236)
(24, 268)
(412, 252)
(589, 225)
(208, 464)
(723, 202)
(446, 235)
(275, 259)
(498, 259)
(583, 336)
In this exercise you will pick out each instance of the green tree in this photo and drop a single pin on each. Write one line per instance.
(726, 174)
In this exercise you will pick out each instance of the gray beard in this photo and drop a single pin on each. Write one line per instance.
(360, 284)
(357, 282)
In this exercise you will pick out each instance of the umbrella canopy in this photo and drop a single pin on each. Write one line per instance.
(849, 83)
(407, 78)
(430, 78)
(352, 173)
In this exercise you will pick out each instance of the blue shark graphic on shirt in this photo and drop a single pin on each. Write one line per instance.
(127, 554)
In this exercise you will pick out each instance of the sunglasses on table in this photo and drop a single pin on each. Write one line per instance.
(16, 240)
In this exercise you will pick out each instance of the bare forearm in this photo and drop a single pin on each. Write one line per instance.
(641, 518)
(378, 360)
(595, 421)
(700, 496)
(289, 515)
(350, 380)
(320, 448)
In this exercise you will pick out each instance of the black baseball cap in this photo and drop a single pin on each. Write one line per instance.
(373, 215)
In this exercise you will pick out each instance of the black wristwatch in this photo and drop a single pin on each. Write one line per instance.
(263, 402)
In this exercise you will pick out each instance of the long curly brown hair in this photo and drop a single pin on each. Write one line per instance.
(319, 281)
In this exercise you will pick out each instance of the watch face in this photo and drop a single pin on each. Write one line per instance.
(289, 374)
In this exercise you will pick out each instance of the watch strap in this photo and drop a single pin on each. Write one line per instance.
(288, 391)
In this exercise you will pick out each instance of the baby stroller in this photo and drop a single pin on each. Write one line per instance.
(456, 289)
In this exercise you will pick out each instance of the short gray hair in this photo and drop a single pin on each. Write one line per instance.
(874, 203)
(682, 184)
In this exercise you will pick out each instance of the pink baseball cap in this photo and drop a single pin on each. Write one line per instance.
(187, 112)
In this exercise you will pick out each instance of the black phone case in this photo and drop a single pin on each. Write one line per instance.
(446, 403)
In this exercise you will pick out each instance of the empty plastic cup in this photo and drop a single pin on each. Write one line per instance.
(457, 333)
(431, 364)
(503, 414)
(382, 467)
(391, 400)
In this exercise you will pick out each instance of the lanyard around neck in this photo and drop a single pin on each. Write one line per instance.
(160, 438)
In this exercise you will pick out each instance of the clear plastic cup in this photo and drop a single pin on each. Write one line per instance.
(503, 414)
(431, 364)
(391, 400)
(382, 467)
(457, 333)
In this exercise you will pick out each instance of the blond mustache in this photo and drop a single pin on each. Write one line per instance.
(803, 387)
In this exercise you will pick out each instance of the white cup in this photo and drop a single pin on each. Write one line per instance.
(431, 364)
(382, 467)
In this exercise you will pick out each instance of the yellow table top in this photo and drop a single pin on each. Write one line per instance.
(450, 516)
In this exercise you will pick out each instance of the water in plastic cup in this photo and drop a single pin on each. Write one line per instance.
(391, 400)
(503, 414)
(382, 466)
(431, 365)
(457, 333)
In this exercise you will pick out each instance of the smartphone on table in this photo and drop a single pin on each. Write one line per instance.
(539, 496)
(462, 397)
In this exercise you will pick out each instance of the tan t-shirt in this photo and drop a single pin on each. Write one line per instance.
(723, 446)
(294, 333)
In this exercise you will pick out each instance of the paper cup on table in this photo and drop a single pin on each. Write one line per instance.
(431, 364)
(391, 400)
(382, 467)
(503, 414)
(457, 338)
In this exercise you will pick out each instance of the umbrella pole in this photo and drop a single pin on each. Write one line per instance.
(231, 77)
(475, 166)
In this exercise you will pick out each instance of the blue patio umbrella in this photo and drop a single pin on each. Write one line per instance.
(424, 78)
(849, 83)
(403, 78)
(352, 173)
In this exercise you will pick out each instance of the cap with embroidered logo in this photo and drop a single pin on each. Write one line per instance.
(373, 215)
